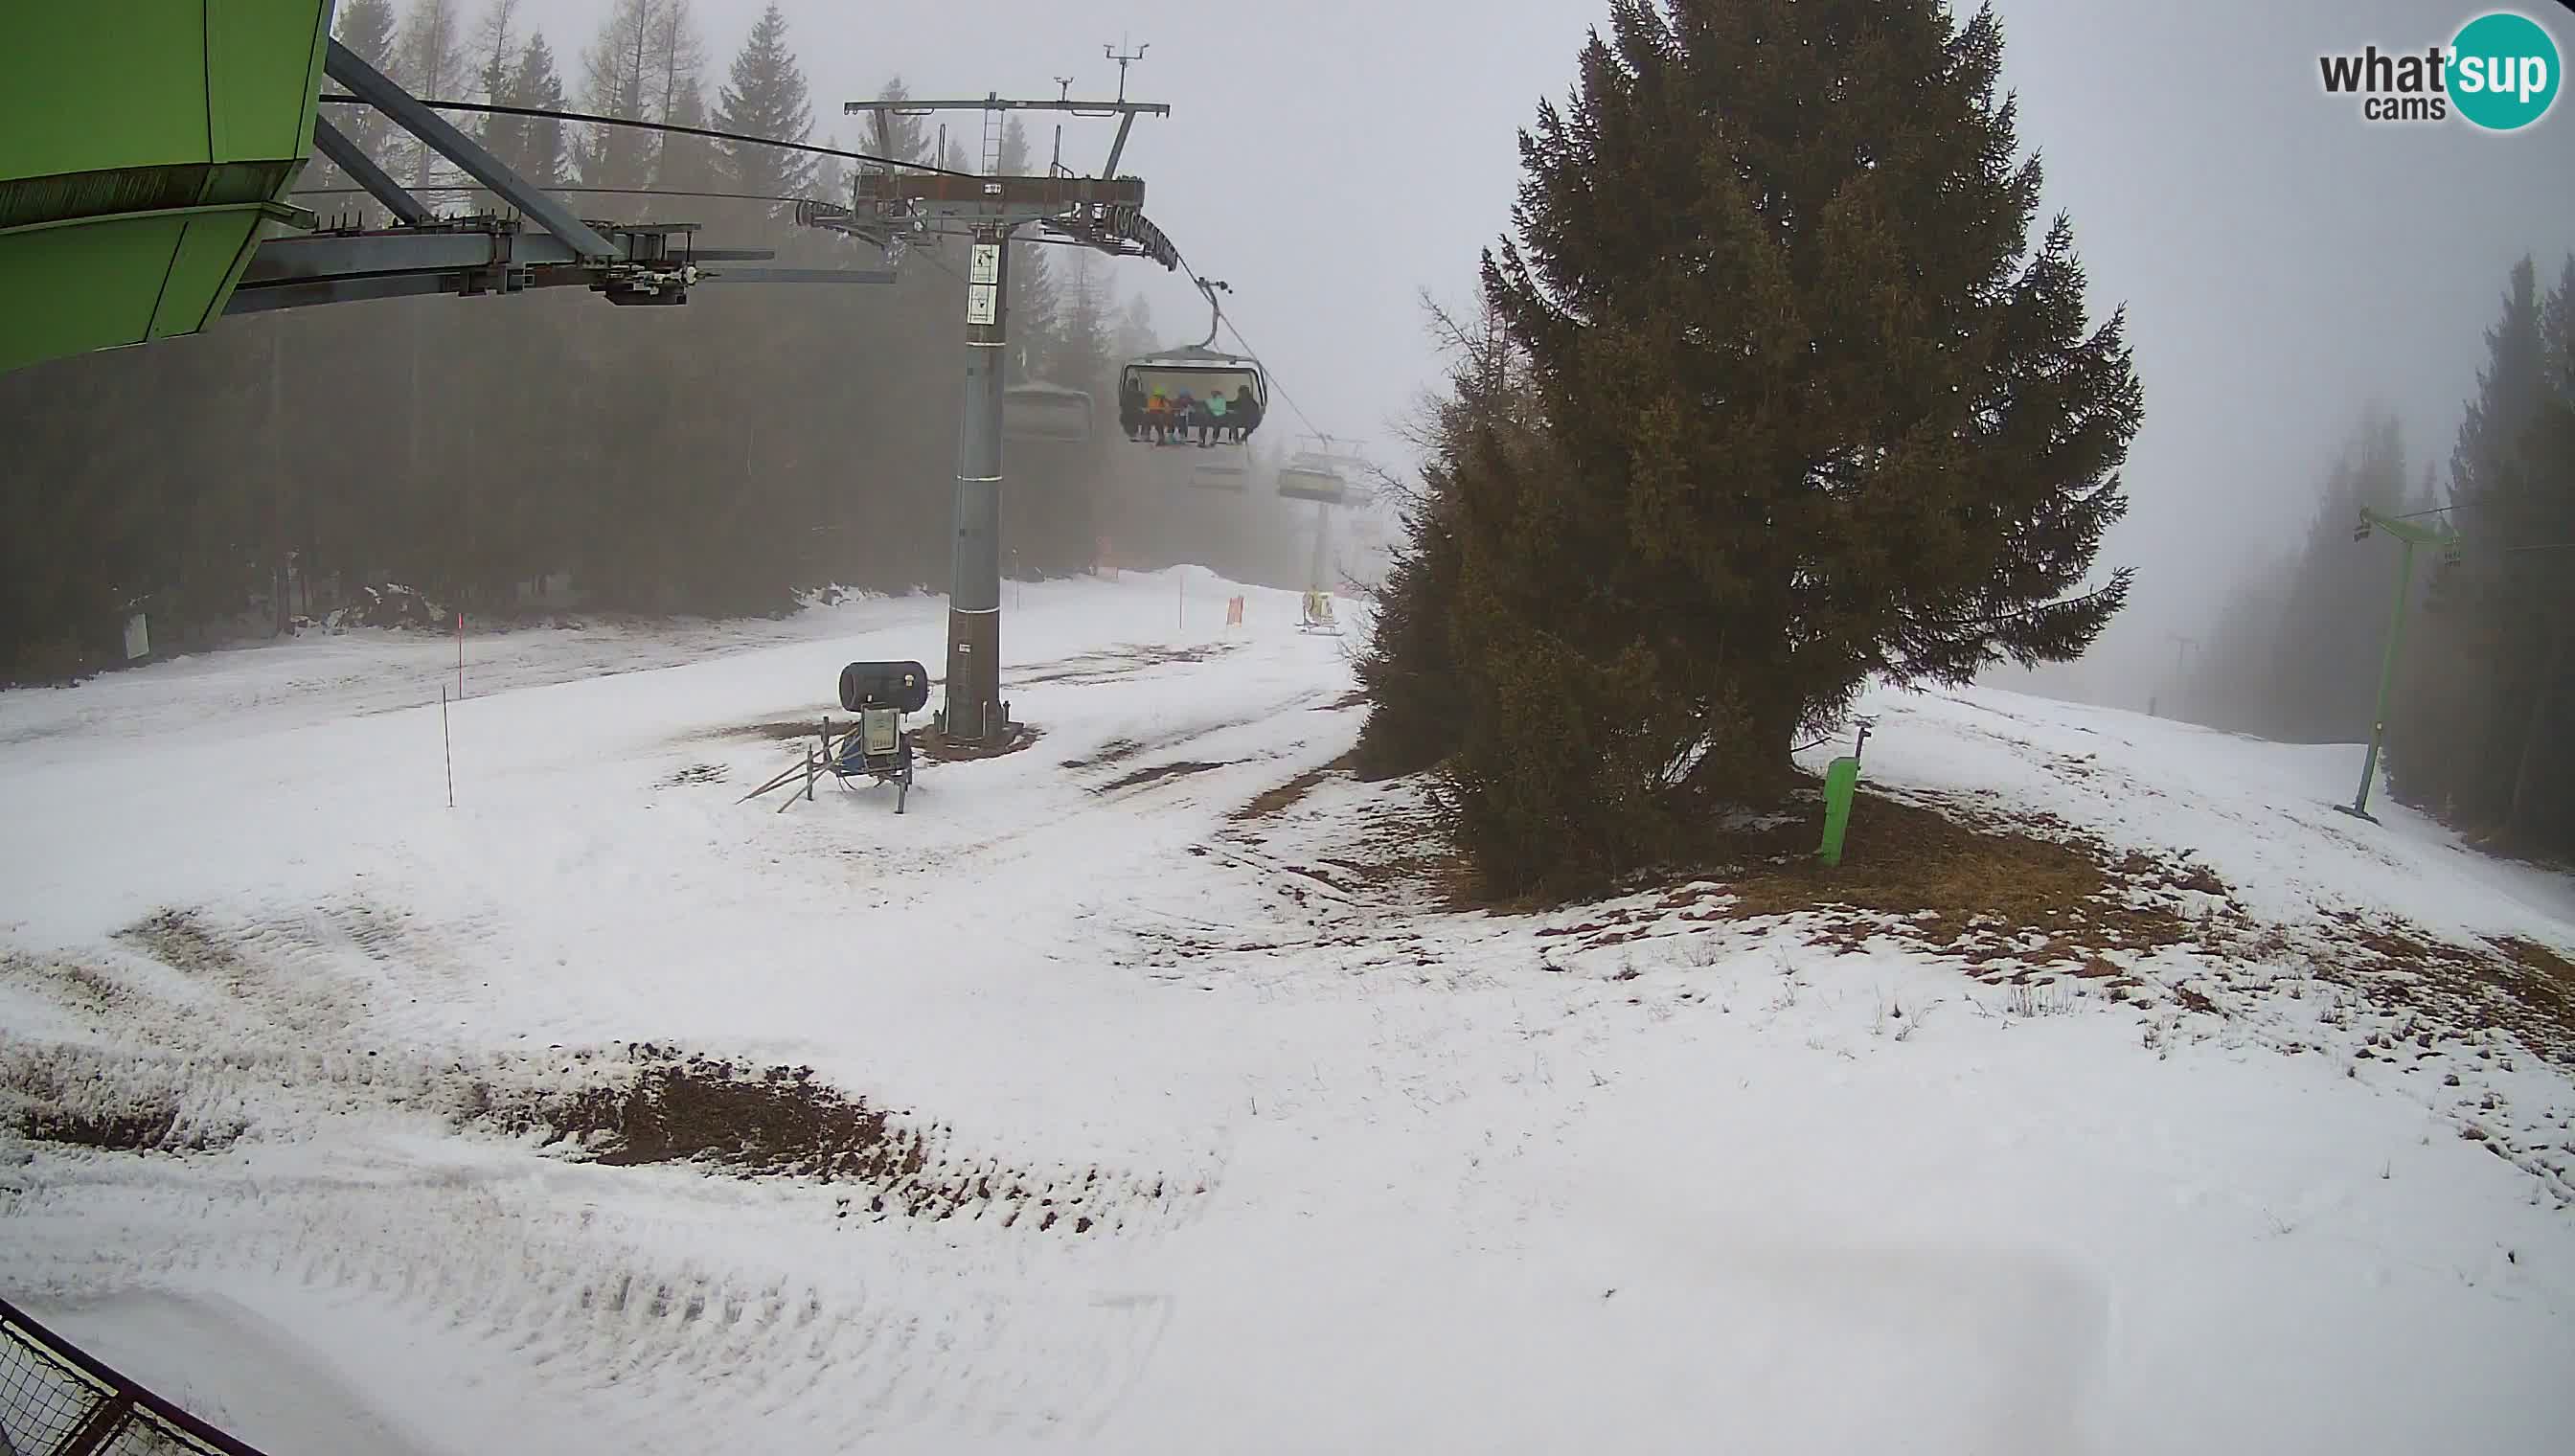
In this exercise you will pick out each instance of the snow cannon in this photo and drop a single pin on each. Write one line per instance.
(903, 687)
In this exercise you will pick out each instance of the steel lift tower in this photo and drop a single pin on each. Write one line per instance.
(1103, 212)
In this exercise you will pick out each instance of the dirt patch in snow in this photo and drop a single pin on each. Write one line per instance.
(649, 1104)
(2005, 894)
(182, 940)
(1116, 663)
(1158, 772)
(80, 1097)
(2018, 899)
(1286, 795)
(2442, 991)
(1115, 750)
(72, 985)
(939, 749)
(772, 1120)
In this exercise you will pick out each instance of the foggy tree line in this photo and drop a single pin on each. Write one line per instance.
(1812, 409)
(2484, 705)
(494, 453)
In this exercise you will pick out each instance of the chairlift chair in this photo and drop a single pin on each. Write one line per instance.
(1303, 480)
(1200, 370)
(1227, 475)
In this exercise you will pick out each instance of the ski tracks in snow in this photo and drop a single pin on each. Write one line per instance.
(810, 1340)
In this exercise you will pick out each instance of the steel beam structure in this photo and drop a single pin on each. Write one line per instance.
(352, 159)
(441, 135)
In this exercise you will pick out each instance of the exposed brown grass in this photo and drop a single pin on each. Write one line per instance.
(2451, 988)
(1286, 795)
(1116, 663)
(779, 1121)
(2013, 899)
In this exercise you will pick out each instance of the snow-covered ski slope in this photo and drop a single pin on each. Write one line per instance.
(1168, 1119)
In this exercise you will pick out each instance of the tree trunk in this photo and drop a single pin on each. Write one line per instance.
(1753, 768)
(2550, 681)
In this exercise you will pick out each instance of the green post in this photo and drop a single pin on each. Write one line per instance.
(2412, 535)
(2386, 683)
(1841, 779)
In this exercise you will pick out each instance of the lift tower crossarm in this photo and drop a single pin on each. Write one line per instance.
(1125, 111)
(1003, 103)
(2405, 530)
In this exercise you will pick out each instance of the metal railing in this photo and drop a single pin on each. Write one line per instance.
(55, 1400)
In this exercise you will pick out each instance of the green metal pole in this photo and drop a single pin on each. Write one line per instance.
(2386, 681)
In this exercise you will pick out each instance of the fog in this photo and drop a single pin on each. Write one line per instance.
(2284, 263)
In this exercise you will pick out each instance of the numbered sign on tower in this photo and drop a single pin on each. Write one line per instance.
(984, 284)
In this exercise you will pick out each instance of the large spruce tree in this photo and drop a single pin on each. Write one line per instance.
(1838, 416)
(1818, 408)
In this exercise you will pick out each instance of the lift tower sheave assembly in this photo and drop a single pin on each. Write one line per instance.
(1106, 213)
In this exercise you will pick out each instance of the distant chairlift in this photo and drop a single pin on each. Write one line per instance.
(1036, 411)
(1313, 475)
(1201, 370)
(1224, 473)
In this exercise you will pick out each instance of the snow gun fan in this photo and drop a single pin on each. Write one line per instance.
(901, 686)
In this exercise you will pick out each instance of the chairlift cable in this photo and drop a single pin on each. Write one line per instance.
(593, 119)
(1268, 372)
(619, 191)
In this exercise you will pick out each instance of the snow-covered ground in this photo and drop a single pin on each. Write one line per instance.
(1225, 1141)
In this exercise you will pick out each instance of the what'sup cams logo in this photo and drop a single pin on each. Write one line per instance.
(2500, 72)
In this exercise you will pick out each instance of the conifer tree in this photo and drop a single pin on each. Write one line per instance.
(366, 27)
(534, 83)
(496, 55)
(1779, 292)
(618, 81)
(1816, 408)
(688, 164)
(893, 135)
(430, 61)
(2494, 676)
(1034, 296)
(765, 96)
(1083, 344)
